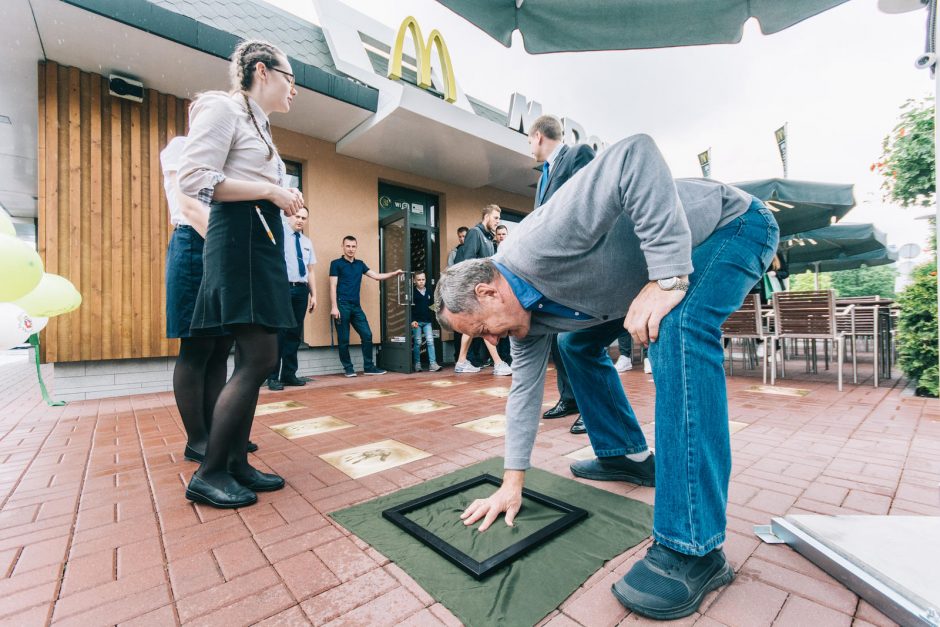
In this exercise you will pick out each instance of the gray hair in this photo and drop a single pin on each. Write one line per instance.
(456, 289)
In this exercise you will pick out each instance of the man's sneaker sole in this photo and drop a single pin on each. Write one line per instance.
(349, 375)
(374, 373)
(613, 476)
(719, 579)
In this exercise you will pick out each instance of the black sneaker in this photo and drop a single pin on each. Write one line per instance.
(618, 468)
(373, 370)
(667, 585)
(350, 373)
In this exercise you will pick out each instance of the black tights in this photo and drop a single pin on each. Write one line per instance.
(255, 354)
(197, 381)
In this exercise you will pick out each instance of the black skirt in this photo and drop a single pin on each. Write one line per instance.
(244, 278)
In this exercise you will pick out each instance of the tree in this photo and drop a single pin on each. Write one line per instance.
(806, 282)
(917, 333)
(874, 281)
(908, 161)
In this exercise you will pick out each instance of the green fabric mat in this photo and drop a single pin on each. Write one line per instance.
(535, 584)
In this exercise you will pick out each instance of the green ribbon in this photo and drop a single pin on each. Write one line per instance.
(34, 342)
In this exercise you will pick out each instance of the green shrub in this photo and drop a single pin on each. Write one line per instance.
(917, 332)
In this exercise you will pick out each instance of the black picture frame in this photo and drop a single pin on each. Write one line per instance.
(479, 570)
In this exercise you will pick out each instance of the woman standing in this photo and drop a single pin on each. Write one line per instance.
(230, 163)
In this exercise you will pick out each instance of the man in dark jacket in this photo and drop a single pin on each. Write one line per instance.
(479, 244)
(559, 163)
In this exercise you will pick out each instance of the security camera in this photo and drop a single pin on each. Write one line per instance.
(926, 60)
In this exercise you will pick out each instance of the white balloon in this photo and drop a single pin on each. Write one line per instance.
(15, 326)
(39, 323)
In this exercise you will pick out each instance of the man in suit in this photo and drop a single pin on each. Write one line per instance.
(299, 258)
(677, 257)
(559, 163)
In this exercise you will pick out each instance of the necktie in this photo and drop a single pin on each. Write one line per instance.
(301, 268)
(543, 182)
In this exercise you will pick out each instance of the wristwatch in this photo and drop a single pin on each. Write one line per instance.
(673, 283)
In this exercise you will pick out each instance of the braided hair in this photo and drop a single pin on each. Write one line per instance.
(244, 64)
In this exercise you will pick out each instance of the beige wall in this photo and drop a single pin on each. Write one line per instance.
(342, 195)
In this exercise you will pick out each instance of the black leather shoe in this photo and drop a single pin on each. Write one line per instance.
(666, 584)
(578, 427)
(561, 409)
(259, 481)
(229, 496)
(617, 468)
(293, 381)
(275, 385)
(252, 447)
(192, 455)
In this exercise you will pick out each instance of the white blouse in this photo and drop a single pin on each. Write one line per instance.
(223, 142)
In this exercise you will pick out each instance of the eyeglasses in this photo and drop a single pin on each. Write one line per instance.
(290, 77)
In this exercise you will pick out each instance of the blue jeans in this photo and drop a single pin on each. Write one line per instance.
(693, 461)
(352, 313)
(424, 328)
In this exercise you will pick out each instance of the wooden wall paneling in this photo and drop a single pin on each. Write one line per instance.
(92, 294)
(127, 319)
(137, 304)
(117, 230)
(70, 224)
(85, 240)
(154, 213)
(106, 244)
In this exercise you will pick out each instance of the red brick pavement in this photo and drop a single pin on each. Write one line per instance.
(94, 528)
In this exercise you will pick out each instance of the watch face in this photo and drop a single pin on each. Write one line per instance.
(668, 284)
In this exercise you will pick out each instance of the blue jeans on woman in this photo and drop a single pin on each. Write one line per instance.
(693, 456)
(423, 328)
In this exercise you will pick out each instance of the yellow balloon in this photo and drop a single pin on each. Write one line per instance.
(6, 224)
(55, 295)
(20, 268)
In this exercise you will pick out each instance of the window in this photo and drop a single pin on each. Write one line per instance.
(295, 174)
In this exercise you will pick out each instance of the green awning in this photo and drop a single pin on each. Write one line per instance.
(832, 243)
(875, 258)
(802, 205)
(569, 26)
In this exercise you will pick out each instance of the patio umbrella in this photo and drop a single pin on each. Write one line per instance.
(802, 205)
(832, 242)
(568, 26)
(879, 257)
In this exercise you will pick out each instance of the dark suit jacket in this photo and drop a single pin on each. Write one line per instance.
(569, 161)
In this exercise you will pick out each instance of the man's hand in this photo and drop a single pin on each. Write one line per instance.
(508, 498)
(311, 303)
(335, 312)
(414, 325)
(648, 310)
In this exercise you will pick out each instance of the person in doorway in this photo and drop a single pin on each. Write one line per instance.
(677, 257)
(299, 258)
(230, 163)
(480, 244)
(345, 284)
(421, 319)
(559, 162)
(461, 235)
(501, 232)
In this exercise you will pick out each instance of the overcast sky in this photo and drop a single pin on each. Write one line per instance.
(838, 81)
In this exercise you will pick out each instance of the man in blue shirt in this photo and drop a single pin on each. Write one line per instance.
(345, 282)
(299, 258)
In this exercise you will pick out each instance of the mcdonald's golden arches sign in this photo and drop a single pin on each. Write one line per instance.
(423, 58)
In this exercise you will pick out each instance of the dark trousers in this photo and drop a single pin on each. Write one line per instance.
(352, 314)
(565, 392)
(288, 340)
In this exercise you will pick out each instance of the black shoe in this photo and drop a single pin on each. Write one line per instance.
(259, 481)
(228, 496)
(561, 409)
(373, 370)
(293, 382)
(252, 447)
(350, 373)
(578, 427)
(192, 455)
(666, 584)
(274, 384)
(618, 468)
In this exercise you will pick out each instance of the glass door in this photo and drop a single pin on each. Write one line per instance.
(408, 240)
